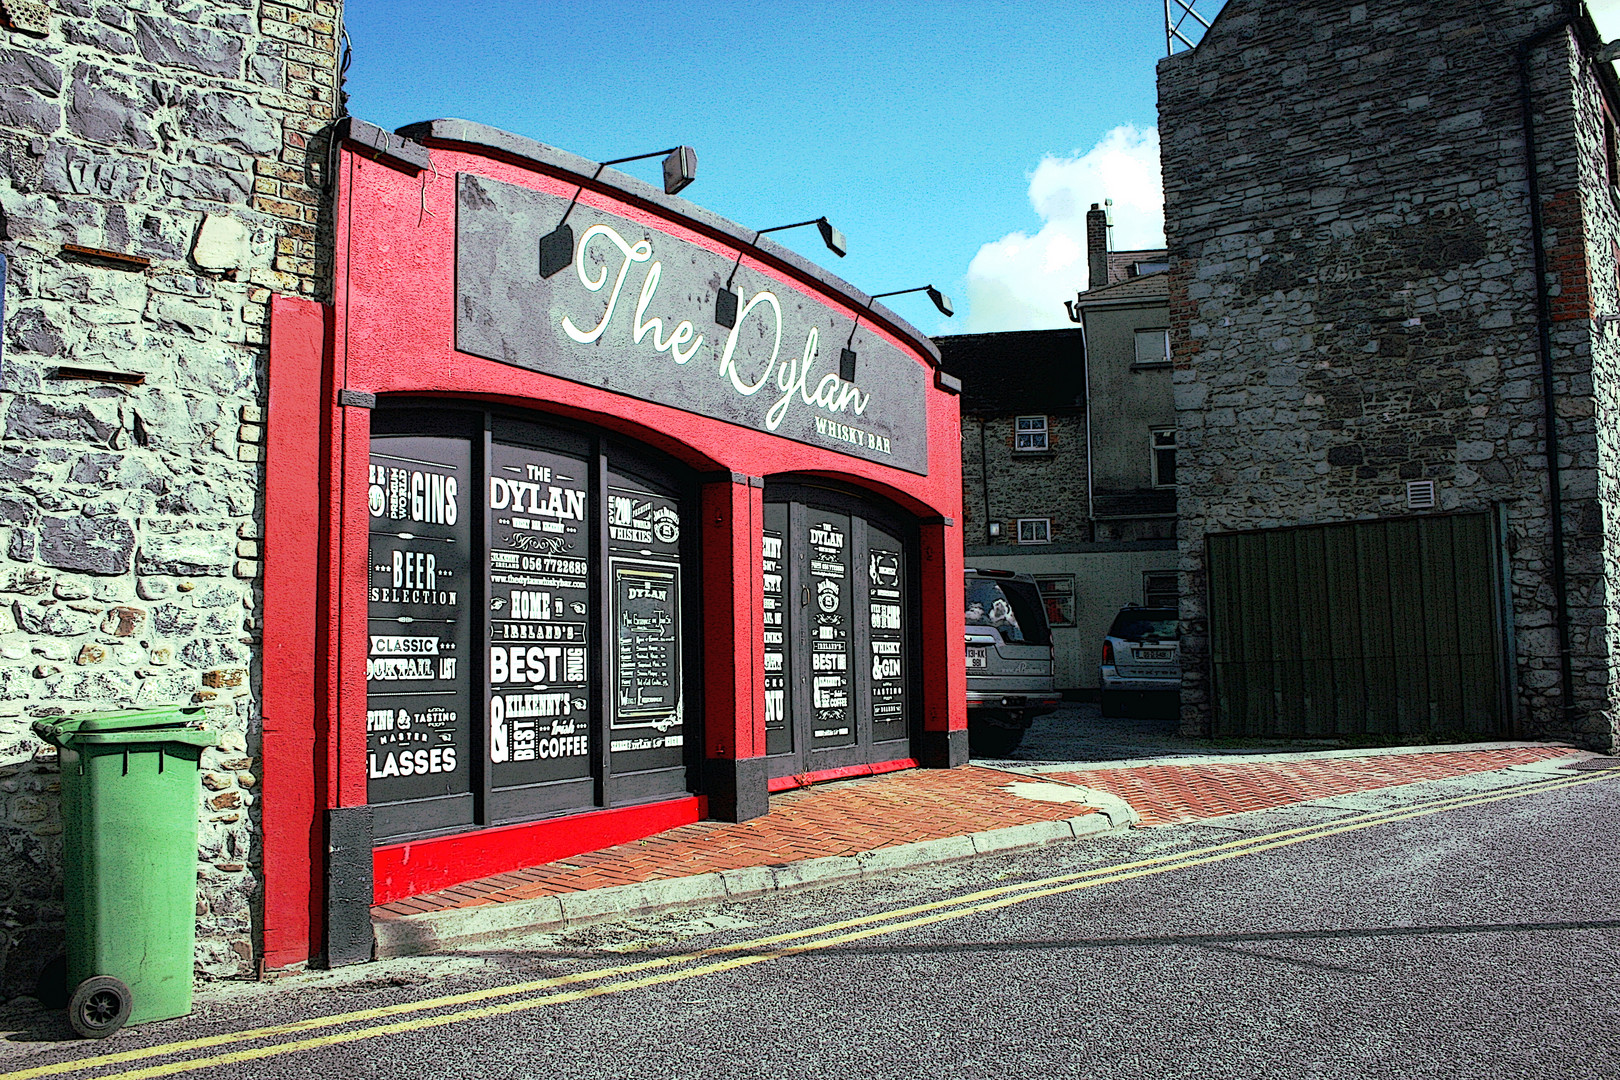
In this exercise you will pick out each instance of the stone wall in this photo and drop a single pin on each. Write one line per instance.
(1353, 301)
(1029, 485)
(186, 133)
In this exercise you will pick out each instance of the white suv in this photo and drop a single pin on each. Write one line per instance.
(1009, 660)
(1141, 659)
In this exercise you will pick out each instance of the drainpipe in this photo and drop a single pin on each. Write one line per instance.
(984, 479)
(1091, 496)
(1566, 675)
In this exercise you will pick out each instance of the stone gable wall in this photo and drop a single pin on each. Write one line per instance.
(1051, 485)
(1353, 305)
(188, 133)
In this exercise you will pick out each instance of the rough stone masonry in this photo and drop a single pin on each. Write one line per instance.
(1353, 300)
(186, 138)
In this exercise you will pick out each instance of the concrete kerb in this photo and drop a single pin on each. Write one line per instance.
(486, 924)
(1239, 757)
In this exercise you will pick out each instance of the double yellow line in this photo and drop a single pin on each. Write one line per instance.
(485, 1003)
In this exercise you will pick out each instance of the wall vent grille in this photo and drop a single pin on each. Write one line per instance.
(1420, 494)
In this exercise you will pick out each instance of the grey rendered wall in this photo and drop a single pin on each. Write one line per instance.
(1126, 401)
(1353, 306)
(186, 133)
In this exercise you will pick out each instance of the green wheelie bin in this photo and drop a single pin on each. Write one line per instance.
(130, 796)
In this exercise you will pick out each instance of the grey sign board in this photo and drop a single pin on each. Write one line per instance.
(633, 311)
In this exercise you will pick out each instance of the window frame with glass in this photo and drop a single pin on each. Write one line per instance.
(1032, 435)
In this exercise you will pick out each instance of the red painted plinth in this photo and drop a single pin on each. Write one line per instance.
(786, 783)
(422, 866)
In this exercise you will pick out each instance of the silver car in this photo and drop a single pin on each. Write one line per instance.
(1141, 660)
(1009, 660)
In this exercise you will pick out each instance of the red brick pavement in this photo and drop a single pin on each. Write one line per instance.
(832, 819)
(863, 815)
(1168, 793)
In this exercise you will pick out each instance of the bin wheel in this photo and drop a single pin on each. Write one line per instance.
(99, 1006)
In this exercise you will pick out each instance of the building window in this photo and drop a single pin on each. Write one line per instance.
(1057, 593)
(1152, 347)
(1030, 434)
(1159, 589)
(1140, 268)
(1164, 457)
(527, 628)
(1034, 530)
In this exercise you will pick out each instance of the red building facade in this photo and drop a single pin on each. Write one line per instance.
(587, 514)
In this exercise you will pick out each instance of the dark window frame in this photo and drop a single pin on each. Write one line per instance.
(602, 451)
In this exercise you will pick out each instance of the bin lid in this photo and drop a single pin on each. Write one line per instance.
(167, 723)
(162, 716)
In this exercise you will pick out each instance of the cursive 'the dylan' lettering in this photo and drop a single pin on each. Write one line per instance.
(792, 378)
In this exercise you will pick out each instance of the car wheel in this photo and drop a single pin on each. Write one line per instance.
(994, 742)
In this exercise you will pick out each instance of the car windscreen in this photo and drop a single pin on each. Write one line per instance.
(1146, 624)
(1012, 607)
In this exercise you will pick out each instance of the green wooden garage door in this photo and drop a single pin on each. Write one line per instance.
(1370, 628)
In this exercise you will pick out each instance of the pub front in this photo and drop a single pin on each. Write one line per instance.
(588, 514)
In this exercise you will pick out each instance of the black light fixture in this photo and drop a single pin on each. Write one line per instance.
(680, 166)
(725, 303)
(846, 355)
(941, 301)
(557, 246)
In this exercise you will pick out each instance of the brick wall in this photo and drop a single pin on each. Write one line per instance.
(1353, 306)
(187, 134)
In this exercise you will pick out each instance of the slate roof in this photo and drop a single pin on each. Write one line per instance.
(1120, 262)
(1146, 287)
(1018, 371)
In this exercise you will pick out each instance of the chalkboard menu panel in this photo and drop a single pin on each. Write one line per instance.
(885, 579)
(647, 702)
(827, 547)
(418, 714)
(647, 707)
(778, 729)
(540, 712)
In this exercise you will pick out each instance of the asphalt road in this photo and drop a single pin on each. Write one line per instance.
(1376, 935)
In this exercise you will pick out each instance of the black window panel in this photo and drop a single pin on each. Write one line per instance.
(539, 663)
(544, 551)
(827, 610)
(840, 623)
(778, 718)
(648, 684)
(888, 598)
(420, 750)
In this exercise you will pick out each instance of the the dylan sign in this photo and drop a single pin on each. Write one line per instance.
(634, 313)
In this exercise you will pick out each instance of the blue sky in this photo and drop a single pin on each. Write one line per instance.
(933, 134)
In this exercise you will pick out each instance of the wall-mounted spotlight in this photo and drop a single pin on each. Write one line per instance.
(680, 166)
(725, 303)
(846, 355)
(941, 301)
(557, 246)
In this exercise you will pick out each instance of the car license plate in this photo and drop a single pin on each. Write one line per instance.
(977, 658)
(1155, 654)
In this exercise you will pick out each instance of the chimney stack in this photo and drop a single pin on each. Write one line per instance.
(1097, 226)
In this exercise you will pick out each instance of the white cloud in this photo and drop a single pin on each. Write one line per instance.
(1020, 281)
